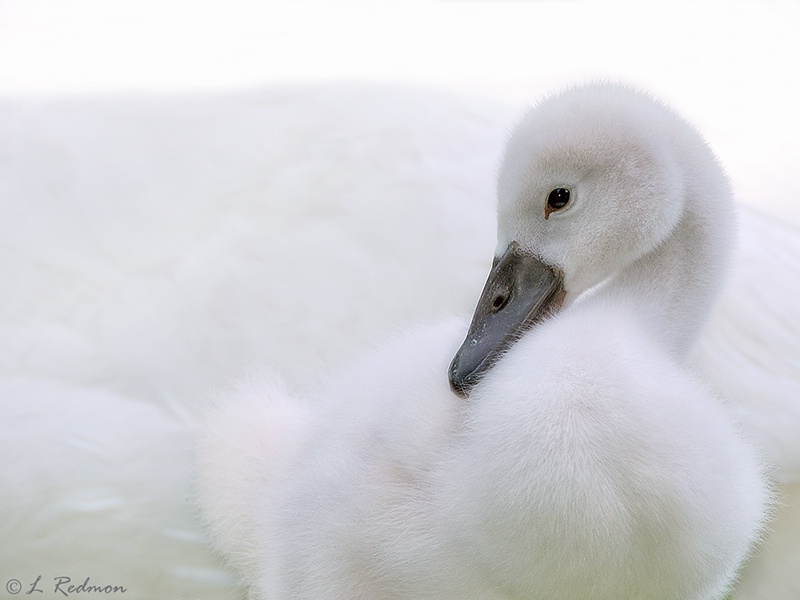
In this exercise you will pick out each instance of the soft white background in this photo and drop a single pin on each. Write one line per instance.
(189, 189)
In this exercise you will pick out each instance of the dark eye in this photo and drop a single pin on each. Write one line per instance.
(558, 198)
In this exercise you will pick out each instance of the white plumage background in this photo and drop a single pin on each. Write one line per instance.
(192, 189)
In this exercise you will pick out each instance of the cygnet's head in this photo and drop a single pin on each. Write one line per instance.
(593, 179)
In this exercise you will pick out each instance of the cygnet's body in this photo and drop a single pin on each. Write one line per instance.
(584, 460)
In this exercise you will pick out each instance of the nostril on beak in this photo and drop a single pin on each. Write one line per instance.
(499, 302)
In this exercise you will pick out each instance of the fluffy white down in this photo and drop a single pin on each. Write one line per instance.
(640, 486)
(246, 443)
(646, 487)
(589, 463)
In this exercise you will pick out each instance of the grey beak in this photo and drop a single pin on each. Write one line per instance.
(519, 292)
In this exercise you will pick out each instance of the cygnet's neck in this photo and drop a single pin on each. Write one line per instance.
(672, 289)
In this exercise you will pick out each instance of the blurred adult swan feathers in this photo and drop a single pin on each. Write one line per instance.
(579, 456)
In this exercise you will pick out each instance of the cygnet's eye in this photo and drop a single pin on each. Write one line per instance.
(556, 200)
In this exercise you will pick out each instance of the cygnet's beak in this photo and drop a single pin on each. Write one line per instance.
(520, 291)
